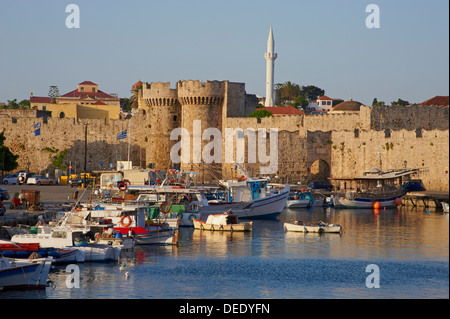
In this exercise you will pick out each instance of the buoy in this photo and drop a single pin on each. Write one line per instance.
(377, 205)
(428, 211)
(398, 201)
(122, 268)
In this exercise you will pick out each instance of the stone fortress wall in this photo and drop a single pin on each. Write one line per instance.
(311, 147)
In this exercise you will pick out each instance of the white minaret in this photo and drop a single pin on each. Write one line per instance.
(270, 56)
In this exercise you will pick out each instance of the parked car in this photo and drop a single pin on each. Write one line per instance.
(77, 181)
(23, 177)
(321, 186)
(4, 195)
(40, 180)
(11, 179)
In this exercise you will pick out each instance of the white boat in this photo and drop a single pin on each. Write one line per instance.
(266, 201)
(151, 234)
(300, 200)
(71, 238)
(222, 222)
(320, 227)
(24, 273)
(375, 189)
(445, 207)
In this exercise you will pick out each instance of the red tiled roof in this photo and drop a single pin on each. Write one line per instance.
(325, 98)
(283, 110)
(40, 99)
(437, 101)
(88, 83)
(83, 95)
(99, 103)
(135, 85)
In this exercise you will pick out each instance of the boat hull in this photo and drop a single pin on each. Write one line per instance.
(298, 203)
(241, 227)
(359, 202)
(24, 274)
(331, 228)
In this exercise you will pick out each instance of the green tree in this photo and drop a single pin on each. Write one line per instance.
(287, 91)
(300, 101)
(375, 102)
(312, 92)
(260, 113)
(400, 102)
(134, 99)
(8, 161)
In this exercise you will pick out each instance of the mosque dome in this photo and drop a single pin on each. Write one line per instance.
(347, 106)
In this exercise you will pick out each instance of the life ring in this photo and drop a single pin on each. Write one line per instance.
(122, 186)
(21, 179)
(127, 224)
(164, 207)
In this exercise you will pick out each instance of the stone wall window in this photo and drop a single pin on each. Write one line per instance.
(387, 133)
(356, 132)
(418, 133)
(62, 115)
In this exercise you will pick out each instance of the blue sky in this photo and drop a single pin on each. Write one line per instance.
(323, 42)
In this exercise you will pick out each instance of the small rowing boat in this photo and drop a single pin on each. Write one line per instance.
(320, 227)
(222, 222)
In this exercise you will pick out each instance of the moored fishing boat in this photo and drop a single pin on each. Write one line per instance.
(65, 237)
(25, 250)
(300, 199)
(24, 273)
(156, 234)
(320, 227)
(375, 189)
(222, 222)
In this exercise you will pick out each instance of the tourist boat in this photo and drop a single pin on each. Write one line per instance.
(10, 249)
(320, 227)
(445, 207)
(375, 189)
(222, 222)
(66, 237)
(300, 199)
(24, 273)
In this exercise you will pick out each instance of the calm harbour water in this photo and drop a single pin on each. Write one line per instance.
(409, 245)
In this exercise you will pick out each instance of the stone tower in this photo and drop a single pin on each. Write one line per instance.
(164, 114)
(201, 102)
(270, 56)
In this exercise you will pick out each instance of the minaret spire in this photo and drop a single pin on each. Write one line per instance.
(270, 57)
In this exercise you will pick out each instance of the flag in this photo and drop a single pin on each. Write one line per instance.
(37, 132)
(122, 135)
(37, 125)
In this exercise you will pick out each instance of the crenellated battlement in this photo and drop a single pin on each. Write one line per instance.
(201, 93)
(159, 94)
